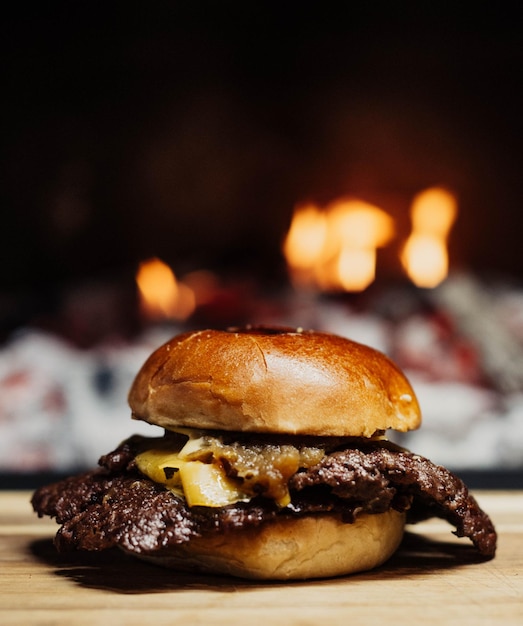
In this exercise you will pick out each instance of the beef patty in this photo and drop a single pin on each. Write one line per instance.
(115, 505)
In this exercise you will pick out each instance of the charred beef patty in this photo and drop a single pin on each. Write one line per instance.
(116, 505)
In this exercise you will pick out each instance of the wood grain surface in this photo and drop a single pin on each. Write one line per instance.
(434, 578)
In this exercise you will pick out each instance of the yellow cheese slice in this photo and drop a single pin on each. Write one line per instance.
(205, 484)
(201, 484)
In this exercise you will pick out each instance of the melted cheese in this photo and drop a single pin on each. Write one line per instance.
(192, 472)
(205, 484)
(201, 484)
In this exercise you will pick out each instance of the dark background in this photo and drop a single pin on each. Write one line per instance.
(189, 130)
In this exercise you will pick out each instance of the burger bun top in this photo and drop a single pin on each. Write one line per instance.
(273, 380)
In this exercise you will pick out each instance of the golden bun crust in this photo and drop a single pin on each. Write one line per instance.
(273, 381)
(292, 548)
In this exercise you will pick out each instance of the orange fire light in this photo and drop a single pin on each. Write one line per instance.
(335, 249)
(162, 296)
(425, 254)
(304, 244)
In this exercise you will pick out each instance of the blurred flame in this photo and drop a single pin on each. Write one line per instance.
(336, 248)
(305, 241)
(359, 225)
(356, 268)
(425, 254)
(162, 296)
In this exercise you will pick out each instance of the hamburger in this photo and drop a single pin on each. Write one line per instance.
(274, 462)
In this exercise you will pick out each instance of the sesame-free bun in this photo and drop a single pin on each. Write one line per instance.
(291, 548)
(272, 380)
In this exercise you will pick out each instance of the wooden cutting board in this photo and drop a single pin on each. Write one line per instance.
(435, 578)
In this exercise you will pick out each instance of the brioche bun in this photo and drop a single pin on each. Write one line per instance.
(292, 548)
(273, 381)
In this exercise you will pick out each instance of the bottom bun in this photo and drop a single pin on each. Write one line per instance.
(292, 548)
